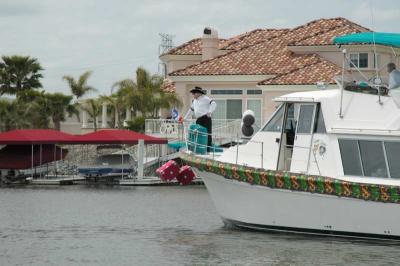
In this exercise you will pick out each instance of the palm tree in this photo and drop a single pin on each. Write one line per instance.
(13, 115)
(38, 108)
(19, 74)
(118, 107)
(93, 108)
(145, 95)
(59, 105)
(79, 87)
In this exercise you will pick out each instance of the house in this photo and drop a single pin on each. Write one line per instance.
(249, 70)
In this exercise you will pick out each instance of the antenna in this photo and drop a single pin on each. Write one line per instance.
(344, 51)
(377, 80)
(165, 45)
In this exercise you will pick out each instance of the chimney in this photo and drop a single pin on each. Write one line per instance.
(210, 47)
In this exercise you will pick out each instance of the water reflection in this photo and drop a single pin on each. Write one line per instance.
(153, 226)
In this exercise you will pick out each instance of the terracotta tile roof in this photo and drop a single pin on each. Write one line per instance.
(168, 85)
(322, 26)
(260, 59)
(321, 70)
(193, 47)
(252, 37)
(326, 37)
(271, 56)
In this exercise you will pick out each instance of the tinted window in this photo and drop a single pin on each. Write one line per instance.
(305, 119)
(363, 60)
(354, 60)
(320, 124)
(291, 120)
(233, 109)
(226, 92)
(373, 159)
(350, 157)
(275, 124)
(393, 155)
(254, 91)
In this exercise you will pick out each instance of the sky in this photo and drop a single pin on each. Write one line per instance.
(113, 38)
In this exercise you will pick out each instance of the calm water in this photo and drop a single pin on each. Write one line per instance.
(81, 225)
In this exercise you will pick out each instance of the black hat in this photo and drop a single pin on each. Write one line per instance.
(197, 89)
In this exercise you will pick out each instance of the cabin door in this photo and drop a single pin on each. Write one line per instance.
(303, 138)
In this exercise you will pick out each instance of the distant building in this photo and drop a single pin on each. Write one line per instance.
(249, 70)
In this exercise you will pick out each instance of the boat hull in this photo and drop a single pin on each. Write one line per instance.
(263, 208)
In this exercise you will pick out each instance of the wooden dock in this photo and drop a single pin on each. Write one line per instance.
(57, 180)
(154, 181)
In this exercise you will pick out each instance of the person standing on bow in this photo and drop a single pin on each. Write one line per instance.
(394, 76)
(202, 107)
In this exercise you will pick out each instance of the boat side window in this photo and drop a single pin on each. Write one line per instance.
(393, 154)
(373, 158)
(305, 119)
(275, 123)
(320, 122)
(350, 157)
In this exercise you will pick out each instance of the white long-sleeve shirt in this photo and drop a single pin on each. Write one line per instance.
(201, 106)
(394, 79)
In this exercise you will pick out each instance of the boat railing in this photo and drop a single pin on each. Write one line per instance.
(232, 141)
(367, 130)
(173, 129)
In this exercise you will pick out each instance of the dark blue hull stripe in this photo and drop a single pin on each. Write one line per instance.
(284, 229)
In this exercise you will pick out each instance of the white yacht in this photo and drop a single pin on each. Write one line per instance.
(326, 162)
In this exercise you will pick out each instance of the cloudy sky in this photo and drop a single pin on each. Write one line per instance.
(113, 38)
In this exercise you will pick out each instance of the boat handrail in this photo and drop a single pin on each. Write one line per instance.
(365, 130)
(232, 140)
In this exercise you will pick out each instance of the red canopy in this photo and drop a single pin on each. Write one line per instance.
(50, 136)
(20, 156)
(34, 136)
(115, 136)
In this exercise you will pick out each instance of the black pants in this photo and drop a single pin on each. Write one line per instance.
(206, 122)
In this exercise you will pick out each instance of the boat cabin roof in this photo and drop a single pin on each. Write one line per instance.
(362, 113)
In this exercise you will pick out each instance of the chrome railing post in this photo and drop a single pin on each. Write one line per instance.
(262, 154)
(237, 149)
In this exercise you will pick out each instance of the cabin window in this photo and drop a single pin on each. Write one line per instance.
(320, 123)
(305, 119)
(291, 119)
(350, 157)
(370, 158)
(275, 123)
(359, 60)
(373, 158)
(393, 155)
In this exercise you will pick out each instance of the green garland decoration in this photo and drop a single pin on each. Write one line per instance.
(295, 182)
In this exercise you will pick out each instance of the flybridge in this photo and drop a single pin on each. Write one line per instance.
(382, 38)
